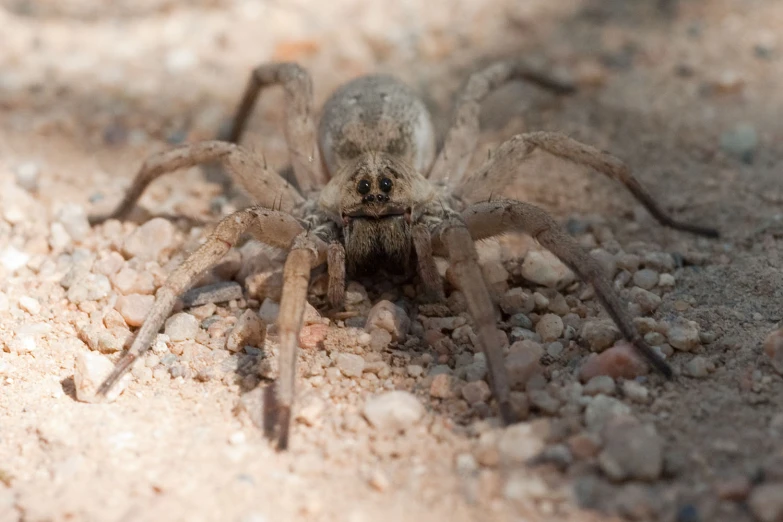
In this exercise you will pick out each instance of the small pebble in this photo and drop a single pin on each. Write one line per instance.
(766, 502)
(666, 281)
(697, 367)
(134, 308)
(216, 293)
(248, 330)
(740, 142)
(29, 305)
(683, 334)
(522, 362)
(600, 384)
(13, 259)
(73, 218)
(773, 348)
(476, 391)
(414, 370)
(646, 278)
(519, 443)
(544, 268)
(632, 450)
(445, 386)
(91, 287)
(26, 176)
(181, 327)
(90, 370)
(385, 315)
(550, 327)
(648, 302)
(735, 489)
(350, 364)
(620, 361)
(602, 408)
(393, 411)
(150, 240)
(544, 401)
(516, 301)
(635, 391)
(269, 311)
(599, 334)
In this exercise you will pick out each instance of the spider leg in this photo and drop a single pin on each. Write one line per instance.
(306, 253)
(500, 216)
(428, 272)
(499, 170)
(299, 122)
(261, 184)
(458, 243)
(462, 136)
(274, 228)
(336, 267)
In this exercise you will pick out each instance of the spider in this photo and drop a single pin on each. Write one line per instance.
(372, 192)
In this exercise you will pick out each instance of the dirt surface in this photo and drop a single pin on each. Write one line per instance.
(688, 93)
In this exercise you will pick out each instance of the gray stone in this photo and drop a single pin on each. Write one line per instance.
(632, 450)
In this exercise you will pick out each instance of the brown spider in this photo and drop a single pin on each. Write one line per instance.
(372, 193)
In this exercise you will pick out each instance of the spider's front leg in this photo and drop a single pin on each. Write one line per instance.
(307, 252)
(275, 228)
(452, 235)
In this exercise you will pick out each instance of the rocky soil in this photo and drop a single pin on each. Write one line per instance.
(395, 420)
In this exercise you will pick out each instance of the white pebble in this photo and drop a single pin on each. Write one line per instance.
(181, 327)
(393, 411)
(545, 269)
(26, 175)
(351, 365)
(74, 219)
(29, 304)
(90, 370)
(150, 240)
(13, 259)
(91, 287)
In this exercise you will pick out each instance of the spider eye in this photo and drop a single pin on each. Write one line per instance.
(386, 184)
(364, 186)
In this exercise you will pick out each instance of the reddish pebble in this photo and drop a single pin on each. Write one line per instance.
(735, 489)
(313, 335)
(773, 347)
(621, 360)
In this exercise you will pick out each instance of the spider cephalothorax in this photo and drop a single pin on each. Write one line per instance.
(381, 199)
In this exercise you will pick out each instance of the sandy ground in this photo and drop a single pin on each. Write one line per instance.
(688, 93)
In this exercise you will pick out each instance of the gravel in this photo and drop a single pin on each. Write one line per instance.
(385, 315)
(632, 450)
(602, 408)
(599, 334)
(682, 334)
(215, 293)
(543, 268)
(90, 370)
(394, 411)
(350, 364)
(249, 330)
(134, 308)
(181, 327)
(151, 240)
(549, 327)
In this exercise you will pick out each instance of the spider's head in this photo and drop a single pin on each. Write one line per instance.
(375, 186)
(374, 198)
